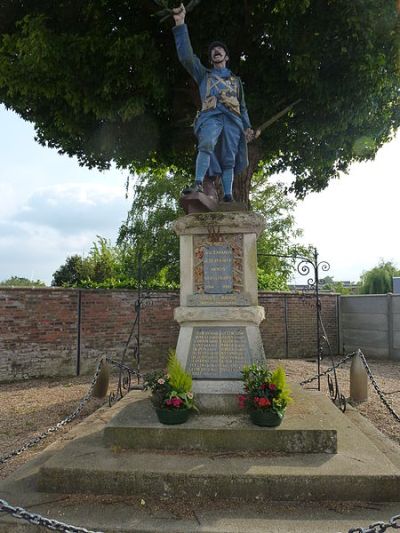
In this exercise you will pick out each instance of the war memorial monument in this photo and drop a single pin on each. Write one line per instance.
(318, 454)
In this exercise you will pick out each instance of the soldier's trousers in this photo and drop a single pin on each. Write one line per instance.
(218, 139)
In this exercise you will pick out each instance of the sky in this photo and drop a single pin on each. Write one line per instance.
(51, 208)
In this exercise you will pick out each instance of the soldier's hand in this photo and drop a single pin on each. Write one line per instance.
(179, 14)
(250, 135)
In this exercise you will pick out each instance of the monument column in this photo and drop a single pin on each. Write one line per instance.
(219, 315)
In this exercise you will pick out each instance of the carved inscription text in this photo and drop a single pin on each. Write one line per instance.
(218, 352)
(218, 269)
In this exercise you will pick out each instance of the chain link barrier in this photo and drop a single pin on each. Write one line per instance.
(378, 527)
(38, 520)
(54, 525)
(378, 390)
(39, 438)
(33, 518)
(328, 370)
(394, 522)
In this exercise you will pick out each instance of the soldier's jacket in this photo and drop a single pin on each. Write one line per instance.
(220, 91)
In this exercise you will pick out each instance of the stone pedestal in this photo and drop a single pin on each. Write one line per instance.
(219, 315)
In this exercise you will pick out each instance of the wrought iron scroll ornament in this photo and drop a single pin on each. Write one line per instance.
(304, 269)
(311, 266)
(126, 373)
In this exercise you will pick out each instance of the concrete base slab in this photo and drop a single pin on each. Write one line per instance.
(366, 469)
(363, 469)
(304, 429)
(112, 515)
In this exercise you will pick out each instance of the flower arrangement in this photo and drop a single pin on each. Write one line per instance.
(264, 392)
(171, 388)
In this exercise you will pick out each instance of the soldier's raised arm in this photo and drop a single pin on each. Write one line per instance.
(183, 46)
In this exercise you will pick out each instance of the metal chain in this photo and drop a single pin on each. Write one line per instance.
(38, 520)
(377, 388)
(330, 369)
(35, 440)
(378, 527)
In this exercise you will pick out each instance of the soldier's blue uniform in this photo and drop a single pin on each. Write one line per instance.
(222, 147)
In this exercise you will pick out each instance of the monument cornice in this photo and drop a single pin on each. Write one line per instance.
(226, 222)
(254, 315)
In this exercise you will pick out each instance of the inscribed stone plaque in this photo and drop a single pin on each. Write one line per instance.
(218, 352)
(218, 269)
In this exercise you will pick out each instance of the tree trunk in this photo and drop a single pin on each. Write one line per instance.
(242, 182)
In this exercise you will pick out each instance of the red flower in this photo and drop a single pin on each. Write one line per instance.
(176, 402)
(272, 386)
(263, 402)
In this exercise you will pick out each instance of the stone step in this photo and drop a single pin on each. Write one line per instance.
(92, 468)
(360, 470)
(137, 427)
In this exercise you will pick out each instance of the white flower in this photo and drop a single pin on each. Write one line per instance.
(190, 395)
(161, 381)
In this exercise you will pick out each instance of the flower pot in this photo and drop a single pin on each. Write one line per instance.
(266, 417)
(172, 416)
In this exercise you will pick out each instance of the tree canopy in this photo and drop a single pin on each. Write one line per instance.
(16, 281)
(379, 280)
(100, 80)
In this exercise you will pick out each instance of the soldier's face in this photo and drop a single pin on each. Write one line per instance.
(218, 55)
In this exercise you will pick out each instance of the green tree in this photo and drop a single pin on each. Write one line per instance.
(148, 228)
(329, 284)
(70, 273)
(15, 281)
(100, 80)
(154, 209)
(379, 280)
(104, 262)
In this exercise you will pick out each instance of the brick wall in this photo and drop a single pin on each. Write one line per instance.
(41, 333)
(38, 332)
(289, 328)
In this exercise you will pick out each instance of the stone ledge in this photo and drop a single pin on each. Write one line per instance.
(229, 222)
(137, 427)
(222, 316)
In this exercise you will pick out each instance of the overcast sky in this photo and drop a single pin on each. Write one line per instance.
(51, 207)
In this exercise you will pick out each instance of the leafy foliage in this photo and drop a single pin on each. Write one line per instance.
(379, 280)
(15, 281)
(329, 284)
(278, 378)
(154, 209)
(148, 233)
(171, 389)
(100, 80)
(106, 266)
(179, 379)
(264, 389)
(148, 228)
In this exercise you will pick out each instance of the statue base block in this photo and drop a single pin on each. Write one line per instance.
(198, 202)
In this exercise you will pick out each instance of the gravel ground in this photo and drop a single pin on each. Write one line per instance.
(31, 407)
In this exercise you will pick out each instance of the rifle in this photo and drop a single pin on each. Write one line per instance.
(273, 119)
